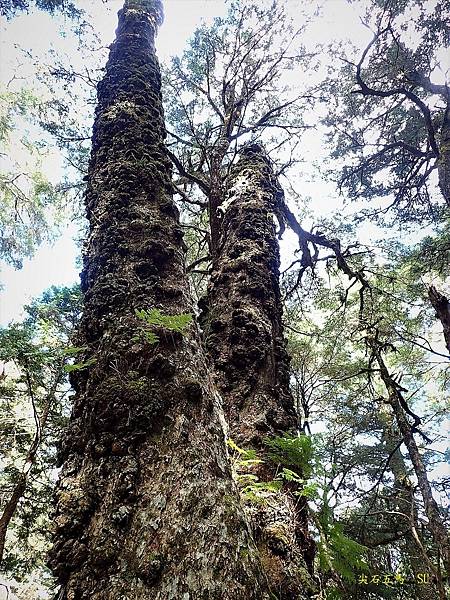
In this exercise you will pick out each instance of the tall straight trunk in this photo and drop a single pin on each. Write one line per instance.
(146, 504)
(243, 333)
(242, 311)
(215, 196)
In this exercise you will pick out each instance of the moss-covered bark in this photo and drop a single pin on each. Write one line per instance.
(242, 311)
(146, 505)
(243, 333)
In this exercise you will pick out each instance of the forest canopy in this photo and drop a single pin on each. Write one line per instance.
(245, 393)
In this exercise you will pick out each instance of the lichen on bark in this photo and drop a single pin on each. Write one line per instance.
(146, 506)
(243, 333)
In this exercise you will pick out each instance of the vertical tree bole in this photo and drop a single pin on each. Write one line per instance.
(444, 153)
(241, 315)
(146, 505)
(243, 334)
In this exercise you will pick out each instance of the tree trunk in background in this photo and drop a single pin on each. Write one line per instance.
(442, 307)
(444, 158)
(420, 562)
(20, 487)
(396, 401)
(243, 333)
(10, 508)
(146, 504)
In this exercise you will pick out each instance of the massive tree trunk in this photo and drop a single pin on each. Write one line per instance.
(215, 196)
(242, 312)
(146, 505)
(243, 333)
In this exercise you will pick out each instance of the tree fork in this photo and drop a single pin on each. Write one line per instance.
(243, 333)
(146, 505)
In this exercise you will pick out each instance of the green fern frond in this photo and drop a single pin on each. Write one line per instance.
(155, 318)
(79, 366)
(290, 451)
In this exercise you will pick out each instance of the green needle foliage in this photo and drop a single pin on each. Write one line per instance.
(31, 206)
(10, 8)
(33, 386)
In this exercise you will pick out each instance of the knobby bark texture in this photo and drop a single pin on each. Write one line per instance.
(441, 305)
(215, 196)
(243, 333)
(146, 504)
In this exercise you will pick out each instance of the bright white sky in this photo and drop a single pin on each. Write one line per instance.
(55, 264)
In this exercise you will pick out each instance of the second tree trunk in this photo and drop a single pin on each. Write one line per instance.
(243, 333)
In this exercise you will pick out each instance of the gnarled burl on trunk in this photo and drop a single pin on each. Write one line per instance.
(243, 333)
(146, 505)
